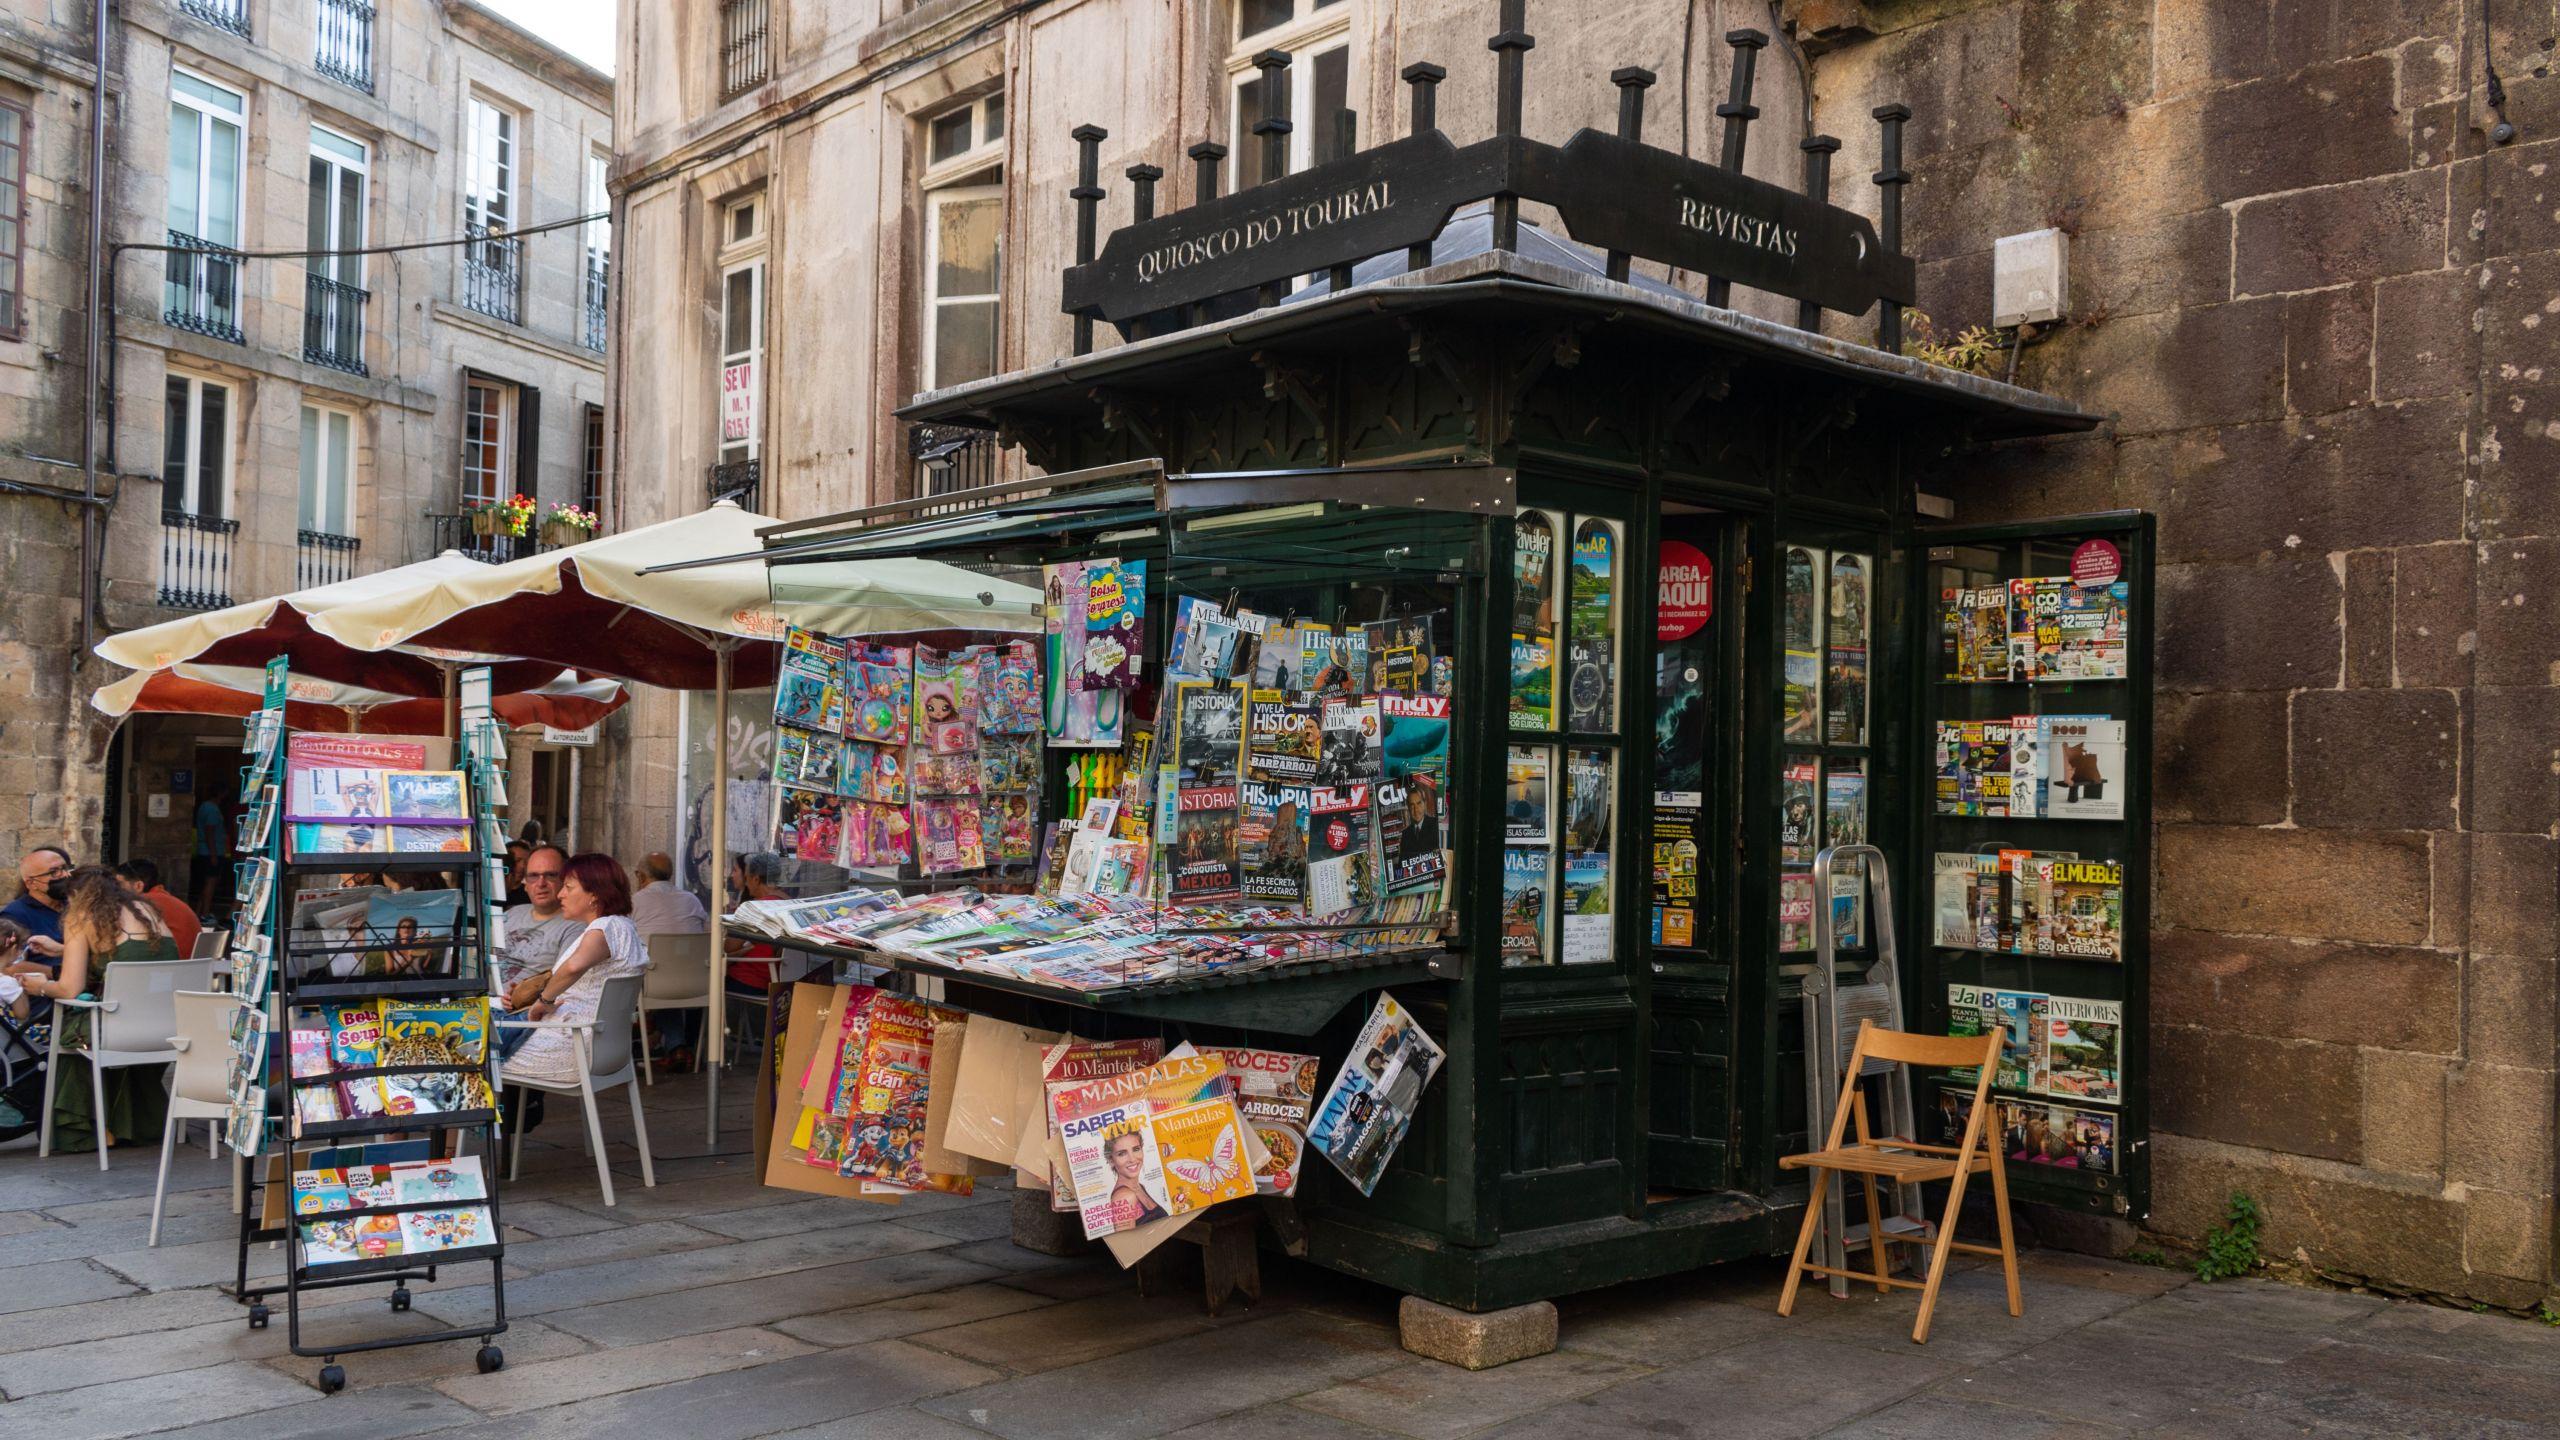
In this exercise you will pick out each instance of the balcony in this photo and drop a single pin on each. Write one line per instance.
(746, 57)
(739, 480)
(454, 532)
(492, 274)
(597, 316)
(203, 289)
(948, 459)
(343, 50)
(333, 323)
(321, 558)
(195, 560)
(231, 15)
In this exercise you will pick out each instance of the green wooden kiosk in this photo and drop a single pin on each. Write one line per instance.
(1378, 375)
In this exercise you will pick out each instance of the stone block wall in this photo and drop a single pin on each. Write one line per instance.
(2321, 312)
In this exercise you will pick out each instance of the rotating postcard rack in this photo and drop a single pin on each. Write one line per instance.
(385, 1001)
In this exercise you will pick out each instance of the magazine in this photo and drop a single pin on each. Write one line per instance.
(440, 1182)
(2080, 908)
(879, 690)
(882, 1093)
(1524, 905)
(1799, 811)
(1844, 686)
(1106, 1131)
(1208, 733)
(1405, 657)
(1588, 779)
(1200, 1148)
(1528, 795)
(808, 686)
(1342, 861)
(1348, 740)
(2033, 1132)
(1795, 911)
(2084, 757)
(1365, 1115)
(2081, 635)
(1951, 902)
(1282, 737)
(411, 932)
(1979, 623)
(2077, 1049)
(1409, 822)
(946, 702)
(1965, 1017)
(1585, 906)
(2012, 1012)
(1114, 628)
(1844, 807)
(1205, 845)
(1973, 774)
(1271, 841)
(1276, 1090)
(1533, 682)
(459, 1228)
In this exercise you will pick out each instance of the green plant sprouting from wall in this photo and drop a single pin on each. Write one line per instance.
(2231, 1248)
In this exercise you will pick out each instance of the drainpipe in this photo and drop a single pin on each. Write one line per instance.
(97, 305)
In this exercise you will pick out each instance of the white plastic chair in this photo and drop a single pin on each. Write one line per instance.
(209, 944)
(604, 1060)
(678, 978)
(200, 1089)
(130, 1024)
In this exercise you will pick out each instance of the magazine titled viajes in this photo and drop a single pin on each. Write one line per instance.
(1372, 1102)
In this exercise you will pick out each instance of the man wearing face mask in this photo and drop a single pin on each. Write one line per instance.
(38, 907)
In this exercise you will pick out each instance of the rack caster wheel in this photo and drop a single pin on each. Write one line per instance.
(400, 1298)
(333, 1378)
(258, 1316)
(491, 1358)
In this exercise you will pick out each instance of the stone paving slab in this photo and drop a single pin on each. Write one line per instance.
(59, 1282)
(1793, 1384)
(150, 1400)
(535, 1385)
(909, 1315)
(788, 1394)
(773, 1298)
(1176, 1384)
(1427, 1400)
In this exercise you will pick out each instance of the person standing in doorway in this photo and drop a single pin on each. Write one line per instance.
(204, 877)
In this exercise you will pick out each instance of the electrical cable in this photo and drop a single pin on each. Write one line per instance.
(439, 244)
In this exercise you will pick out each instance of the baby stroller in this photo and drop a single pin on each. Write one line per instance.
(22, 1045)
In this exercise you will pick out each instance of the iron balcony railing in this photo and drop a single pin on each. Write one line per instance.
(455, 533)
(739, 480)
(746, 55)
(321, 558)
(195, 559)
(492, 274)
(203, 290)
(231, 15)
(950, 458)
(333, 323)
(343, 50)
(598, 273)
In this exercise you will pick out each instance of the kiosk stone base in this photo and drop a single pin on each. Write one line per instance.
(1473, 1341)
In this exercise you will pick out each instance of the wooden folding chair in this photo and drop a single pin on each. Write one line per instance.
(1900, 1161)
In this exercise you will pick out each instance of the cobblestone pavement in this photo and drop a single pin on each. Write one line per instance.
(713, 1307)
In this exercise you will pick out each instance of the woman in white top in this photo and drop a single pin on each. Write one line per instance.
(602, 943)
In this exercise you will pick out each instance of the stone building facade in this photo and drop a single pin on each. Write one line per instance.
(2313, 300)
(275, 422)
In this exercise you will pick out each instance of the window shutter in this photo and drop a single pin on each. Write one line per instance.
(528, 441)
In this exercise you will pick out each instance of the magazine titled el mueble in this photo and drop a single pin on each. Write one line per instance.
(1372, 1103)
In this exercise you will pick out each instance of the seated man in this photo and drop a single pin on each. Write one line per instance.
(660, 906)
(38, 907)
(142, 877)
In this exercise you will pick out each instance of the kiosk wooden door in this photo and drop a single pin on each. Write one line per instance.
(1694, 667)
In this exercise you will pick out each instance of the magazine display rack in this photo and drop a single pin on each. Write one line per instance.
(2035, 696)
(374, 1188)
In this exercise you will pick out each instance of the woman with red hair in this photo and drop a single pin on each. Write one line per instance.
(602, 943)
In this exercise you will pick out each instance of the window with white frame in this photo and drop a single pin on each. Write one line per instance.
(742, 259)
(14, 122)
(488, 441)
(196, 455)
(1314, 90)
(491, 263)
(599, 248)
(208, 128)
(963, 240)
(333, 288)
(328, 471)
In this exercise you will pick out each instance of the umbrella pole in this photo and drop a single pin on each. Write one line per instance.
(715, 1023)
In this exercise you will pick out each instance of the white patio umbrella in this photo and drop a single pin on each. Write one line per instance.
(605, 608)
